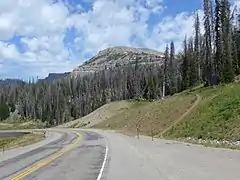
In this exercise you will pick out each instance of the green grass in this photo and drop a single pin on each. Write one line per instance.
(216, 117)
(151, 117)
(15, 142)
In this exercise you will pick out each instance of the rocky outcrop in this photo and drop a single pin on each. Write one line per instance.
(119, 56)
(54, 76)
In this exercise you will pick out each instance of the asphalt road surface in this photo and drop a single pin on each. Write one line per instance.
(75, 154)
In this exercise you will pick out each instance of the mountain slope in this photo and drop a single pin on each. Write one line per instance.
(119, 56)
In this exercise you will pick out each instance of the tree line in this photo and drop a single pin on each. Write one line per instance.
(216, 51)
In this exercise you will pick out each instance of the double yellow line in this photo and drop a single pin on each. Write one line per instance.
(48, 160)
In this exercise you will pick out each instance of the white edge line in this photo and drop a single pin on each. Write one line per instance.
(104, 162)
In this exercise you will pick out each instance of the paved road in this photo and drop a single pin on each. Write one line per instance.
(105, 155)
(80, 157)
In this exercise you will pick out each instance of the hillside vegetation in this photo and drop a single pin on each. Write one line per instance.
(150, 117)
(216, 117)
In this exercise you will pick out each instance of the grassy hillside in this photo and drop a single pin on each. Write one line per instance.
(216, 117)
(99, 115)
(151, 117)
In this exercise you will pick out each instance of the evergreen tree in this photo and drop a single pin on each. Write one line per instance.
(172, 69)
(227, 71)
(208, 39)
(218, 60)
(185, 67)
(236, 43)
(165, 71)
(197, 46)
(193, 75)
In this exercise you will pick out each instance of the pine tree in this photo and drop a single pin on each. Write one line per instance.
(193, 75)
(165, 71)
(218, 60)
(172, 69)
(235, 53)
(197, 46)
(185, 67)
(236, 43)
(208, 39)
(237, 39)
(228, 71)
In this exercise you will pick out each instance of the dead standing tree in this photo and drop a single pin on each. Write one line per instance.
(138, 124)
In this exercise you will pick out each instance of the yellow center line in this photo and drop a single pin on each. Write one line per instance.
(48, 160)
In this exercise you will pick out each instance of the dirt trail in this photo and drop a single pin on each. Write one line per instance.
(183, 116)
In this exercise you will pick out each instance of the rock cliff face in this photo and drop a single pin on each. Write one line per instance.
(118, 56)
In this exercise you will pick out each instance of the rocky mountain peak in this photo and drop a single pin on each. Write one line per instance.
(118, 56)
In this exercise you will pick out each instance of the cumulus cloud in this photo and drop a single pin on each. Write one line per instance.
(8, 51)
(31, 18)
(52, 43)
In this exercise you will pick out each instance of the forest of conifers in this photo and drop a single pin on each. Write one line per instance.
(216, 51)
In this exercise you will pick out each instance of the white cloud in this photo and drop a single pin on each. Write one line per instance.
(42, 25)
(237, 3)
(154, 5)
(174, 28)
(31, 18)
(8, 51)
(52, 43)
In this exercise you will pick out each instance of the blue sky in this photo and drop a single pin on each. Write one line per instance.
(43, 36)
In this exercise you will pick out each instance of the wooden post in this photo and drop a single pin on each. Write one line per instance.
(152, 134)
(137, 131)
(3, 147)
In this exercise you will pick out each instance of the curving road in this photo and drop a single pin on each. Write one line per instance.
(98, 155)
(64, 155)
